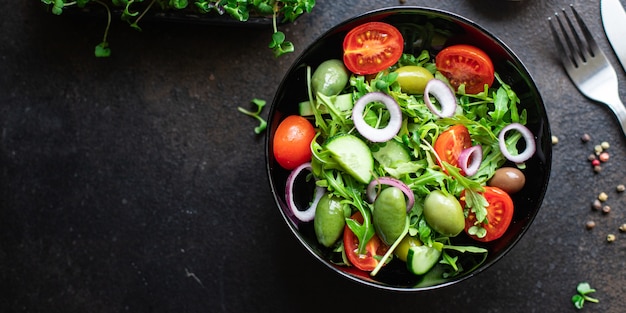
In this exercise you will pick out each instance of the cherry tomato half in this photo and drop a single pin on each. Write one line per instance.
(375, 248)
(292, 142)
(451, 142)
(465, 64)
(499, 214)
(372, 47)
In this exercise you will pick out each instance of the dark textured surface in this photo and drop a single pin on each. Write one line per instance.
(133, 184)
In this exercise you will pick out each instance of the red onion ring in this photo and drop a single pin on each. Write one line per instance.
(377, 134)
(470, 159)
(308, 214)
(444, 95)
(528, 137)
(371, 190)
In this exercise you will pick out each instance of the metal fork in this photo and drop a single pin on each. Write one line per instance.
(586, 65)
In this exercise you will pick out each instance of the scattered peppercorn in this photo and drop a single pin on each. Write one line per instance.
(590, 224)
(610, 238)
(597, 205)
(595, 162)
(606, 209)
(603, 196)
(591, 157)
(620, 188)
(597, 168)
(585, 138)
(604, 156)
(555, 140)
(622, 228)
(605, 145)
(598, 149)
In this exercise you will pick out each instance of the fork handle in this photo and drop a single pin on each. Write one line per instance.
(619, 110)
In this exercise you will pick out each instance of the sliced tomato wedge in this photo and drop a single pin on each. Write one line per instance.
(374, 249)
(499, 214)
(451, 142)
(372, 47)
(465, 64)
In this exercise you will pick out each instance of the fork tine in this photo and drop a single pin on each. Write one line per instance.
(579, 48)
(576, 50)
(591, 45)
(563, 43)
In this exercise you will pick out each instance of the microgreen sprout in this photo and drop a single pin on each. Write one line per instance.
(132, 11)
(102, 50)
(579, 299)
(256, 114)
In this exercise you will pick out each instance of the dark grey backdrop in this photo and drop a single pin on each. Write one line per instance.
(132, 184)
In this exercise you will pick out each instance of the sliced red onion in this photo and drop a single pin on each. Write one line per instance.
(528, 137)
(377, 134)
(444, 95)
(308, 214)
(470, 159)
(371, 189)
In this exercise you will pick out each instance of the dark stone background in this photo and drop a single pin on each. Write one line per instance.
(132, 184)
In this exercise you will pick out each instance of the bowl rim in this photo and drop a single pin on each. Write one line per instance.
(547, 149)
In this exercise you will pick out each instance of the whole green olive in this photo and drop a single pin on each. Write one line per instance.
(413, 78)
(509, 179)
(330, 77)
(444, 213)
(330, 220)
(402, 250)
(389, 216)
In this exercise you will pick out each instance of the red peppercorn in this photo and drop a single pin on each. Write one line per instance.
(604, 156)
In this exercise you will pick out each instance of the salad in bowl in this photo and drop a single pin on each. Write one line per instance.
(408, 149)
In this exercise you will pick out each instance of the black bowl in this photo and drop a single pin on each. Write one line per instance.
(412, 22)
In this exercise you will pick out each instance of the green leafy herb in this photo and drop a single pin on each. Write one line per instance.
(256, 114)
(579, 299)
(132, 11)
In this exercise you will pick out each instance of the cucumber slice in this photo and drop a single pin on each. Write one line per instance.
(342, 102)
(353, 155)
(420, 259)
(390, 153)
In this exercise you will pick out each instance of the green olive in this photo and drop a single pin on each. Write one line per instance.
(329, 220)
(402, 250)
(444, 213)
(389, 216)
(413, 78)
(330, 77)
(509, 179)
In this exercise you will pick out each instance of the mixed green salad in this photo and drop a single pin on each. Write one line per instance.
(406, 151)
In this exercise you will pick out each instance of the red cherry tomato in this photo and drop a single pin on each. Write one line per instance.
(374, 248)
(499, 214)
(451, 142)
(465, 64)
(292, 142)
(372, 47)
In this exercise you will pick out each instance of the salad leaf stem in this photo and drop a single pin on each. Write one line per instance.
(135, 24)
(102, 50)
(256, 114)
(392, 248)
